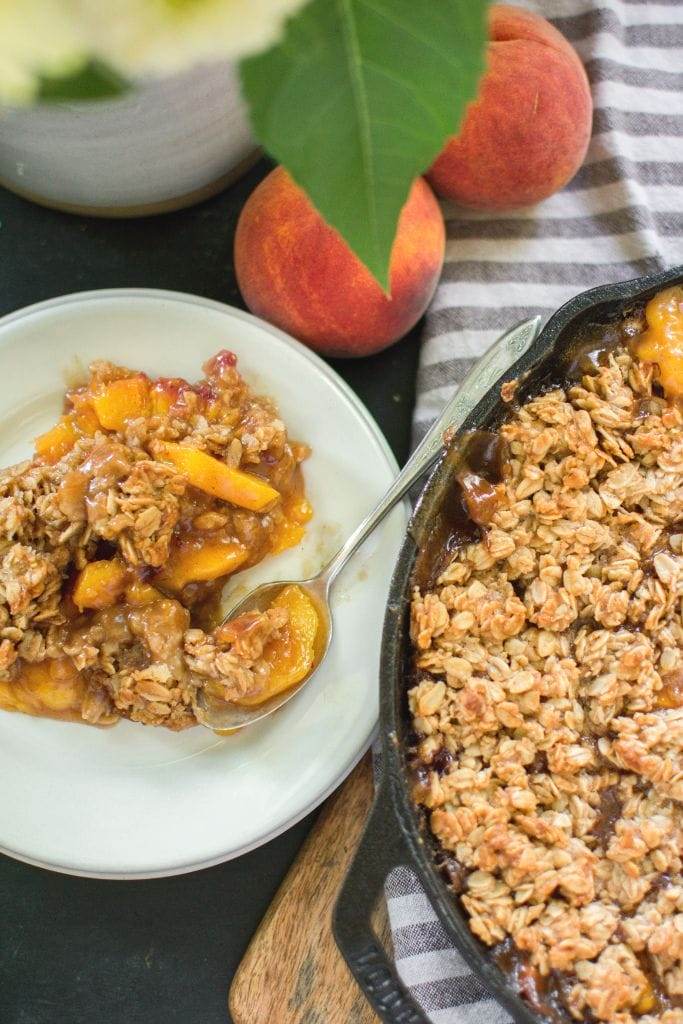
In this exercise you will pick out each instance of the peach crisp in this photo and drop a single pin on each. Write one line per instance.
(547, 705)
(116, 540)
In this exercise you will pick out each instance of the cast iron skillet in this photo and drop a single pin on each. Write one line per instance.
(395, 833)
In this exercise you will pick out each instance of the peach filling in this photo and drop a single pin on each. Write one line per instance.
(298, 511)
(61, 438)
(51, 689)
(671, 693)
(201, 561)
(121, 401)
(662, 342)
(194, 558)
(115, 405)
(54, 687)
(223, 520)
(290, 656)
(287, 658)
(214, 477)
(100, 584)
(647, 1001)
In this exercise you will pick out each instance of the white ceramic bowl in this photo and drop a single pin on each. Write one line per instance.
(168, 143)
(135, 802)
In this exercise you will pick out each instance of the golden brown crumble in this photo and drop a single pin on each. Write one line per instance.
(112, 555)
(550, 671)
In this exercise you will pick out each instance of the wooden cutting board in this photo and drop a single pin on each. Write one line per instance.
(292, 972)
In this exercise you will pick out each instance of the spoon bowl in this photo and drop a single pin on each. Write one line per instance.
(221, 715)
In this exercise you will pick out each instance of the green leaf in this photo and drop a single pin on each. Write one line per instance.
(92, 81)
(358, 98)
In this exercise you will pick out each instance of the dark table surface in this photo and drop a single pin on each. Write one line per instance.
(163, 951)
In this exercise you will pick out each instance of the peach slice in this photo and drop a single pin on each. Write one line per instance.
(83, 417)
(214, 477)
(99, 584)
(671, 693)
(662, 342)
(55, 443)
(139, 593)
(121, 401)
(52, 688)
(196, 564)
(297, 513)
(647, 1001)
(289, 656)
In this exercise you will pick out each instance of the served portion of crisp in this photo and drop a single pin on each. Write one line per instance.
(548, 710)
(117, 537)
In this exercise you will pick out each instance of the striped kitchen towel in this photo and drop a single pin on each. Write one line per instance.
(621, 216)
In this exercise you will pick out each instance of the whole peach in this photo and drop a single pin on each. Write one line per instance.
(297, 272)
(527, 132)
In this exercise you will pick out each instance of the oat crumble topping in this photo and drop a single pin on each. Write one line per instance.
(548, 710)
(112, 556)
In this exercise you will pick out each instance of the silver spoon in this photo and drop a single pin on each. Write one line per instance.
(217, 714)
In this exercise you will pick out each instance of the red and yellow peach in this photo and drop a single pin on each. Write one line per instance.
(527, 132)
(297, 272)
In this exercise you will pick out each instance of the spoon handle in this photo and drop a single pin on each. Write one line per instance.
(507, 349)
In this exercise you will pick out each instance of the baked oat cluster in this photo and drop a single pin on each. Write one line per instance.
(117, 537)
(549, 707)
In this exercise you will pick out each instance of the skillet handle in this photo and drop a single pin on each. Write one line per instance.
(381, 848)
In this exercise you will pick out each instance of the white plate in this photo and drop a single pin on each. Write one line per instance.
(135, 802)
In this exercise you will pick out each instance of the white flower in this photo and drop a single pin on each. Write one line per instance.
(35, 37)
(159, 36)
(135, 37)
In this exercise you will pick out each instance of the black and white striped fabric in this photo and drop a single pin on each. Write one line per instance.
(621, 216)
